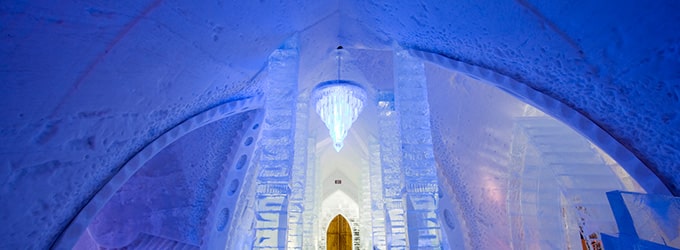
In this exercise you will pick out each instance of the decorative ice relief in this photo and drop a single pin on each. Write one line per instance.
(339, 103)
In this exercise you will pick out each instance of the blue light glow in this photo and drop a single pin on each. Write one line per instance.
(339, 104)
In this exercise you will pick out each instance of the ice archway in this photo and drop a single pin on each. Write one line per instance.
(88, 86)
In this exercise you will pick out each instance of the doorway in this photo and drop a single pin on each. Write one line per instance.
(339, 234)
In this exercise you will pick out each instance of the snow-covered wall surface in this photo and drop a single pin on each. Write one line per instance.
(171, 194)
(616, 63)
(84, 85)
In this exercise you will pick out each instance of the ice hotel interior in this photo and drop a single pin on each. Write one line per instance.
(339, 124)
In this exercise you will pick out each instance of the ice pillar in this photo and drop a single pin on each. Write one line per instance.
(365, 209)
(377, 200)
(417, 156)
(393, 177)
(312, 194)
(297, 203)
(277, 149)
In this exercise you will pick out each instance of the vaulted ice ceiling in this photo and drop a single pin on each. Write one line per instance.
(87, 84)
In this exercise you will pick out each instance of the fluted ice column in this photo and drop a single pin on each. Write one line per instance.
(277, 148)
(377, 200)
(417, 153)
(365, 209)
(392, 174)
(309, 215)
(297, 203)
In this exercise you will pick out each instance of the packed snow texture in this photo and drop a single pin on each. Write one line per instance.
(616, 63)
(170, 196)
(86, 85)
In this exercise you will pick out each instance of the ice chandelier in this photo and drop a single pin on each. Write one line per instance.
(339, 103)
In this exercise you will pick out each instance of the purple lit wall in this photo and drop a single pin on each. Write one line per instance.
(86, 85)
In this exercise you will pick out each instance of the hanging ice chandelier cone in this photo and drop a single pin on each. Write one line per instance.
(338, 103)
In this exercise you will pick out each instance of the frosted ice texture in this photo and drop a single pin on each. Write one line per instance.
(377, 200)
(365, 238)
(644, 221)
(312, 201)
(417, 153)
(297, 202)
(277, 150)
(339, 104)
(555, 154)
(392, 174)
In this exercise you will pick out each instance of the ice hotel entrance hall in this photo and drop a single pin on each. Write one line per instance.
(383, 177)
(194, 124)
(354, 134)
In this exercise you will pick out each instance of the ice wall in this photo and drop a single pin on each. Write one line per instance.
(644, 221)
(86, 85)
(472, 138)
(167, 198)
(614, 63)
(507, 169)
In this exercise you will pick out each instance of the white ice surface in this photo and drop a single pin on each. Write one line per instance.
(84, 85)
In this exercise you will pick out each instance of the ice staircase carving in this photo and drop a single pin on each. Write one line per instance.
(582, 179)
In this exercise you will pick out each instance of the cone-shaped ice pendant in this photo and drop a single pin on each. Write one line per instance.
(339, 103)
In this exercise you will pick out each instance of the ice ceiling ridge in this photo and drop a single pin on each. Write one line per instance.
(72, 232)
(638, 170)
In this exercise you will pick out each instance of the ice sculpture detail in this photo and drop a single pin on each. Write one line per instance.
(276, 147)
(417, 154)
(339, 103)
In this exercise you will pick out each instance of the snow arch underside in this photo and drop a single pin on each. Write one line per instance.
(70, 235)
(586, 127)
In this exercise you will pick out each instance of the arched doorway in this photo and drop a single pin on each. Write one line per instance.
(339, 234)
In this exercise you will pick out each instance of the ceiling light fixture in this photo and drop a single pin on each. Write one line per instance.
(339, 103)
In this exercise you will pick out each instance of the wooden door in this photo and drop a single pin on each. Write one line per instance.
(339, 234)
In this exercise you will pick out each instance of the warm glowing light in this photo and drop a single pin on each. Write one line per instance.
(339, 103)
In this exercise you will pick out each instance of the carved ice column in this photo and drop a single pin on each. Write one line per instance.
(377, 200)
(309, 215)
(392, 174)
(277, 149)
(297, 204)
(365, 207)
(417, 156)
